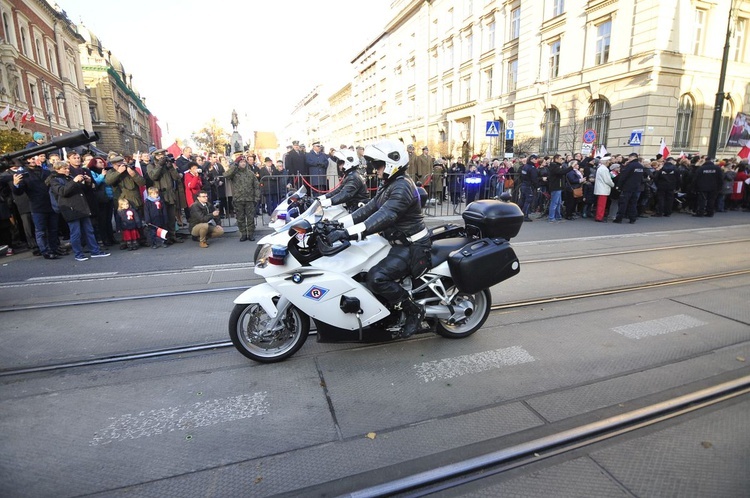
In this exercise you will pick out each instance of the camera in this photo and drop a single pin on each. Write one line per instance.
(217, 204)
(22, 171)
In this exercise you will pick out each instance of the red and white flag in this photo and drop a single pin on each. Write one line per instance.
(31, 118)
(5, 113)
(25, 116)
(663, 149)
(744, 152)
(160, 232)
(602, 151)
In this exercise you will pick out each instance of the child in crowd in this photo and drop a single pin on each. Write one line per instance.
(130, 224)
(155, 215)
(588, 196)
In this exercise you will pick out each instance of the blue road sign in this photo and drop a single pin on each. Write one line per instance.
(493, 129)
(510, 134)
(636, 138)
(589, 136)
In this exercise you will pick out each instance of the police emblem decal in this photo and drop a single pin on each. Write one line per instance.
(315, 293)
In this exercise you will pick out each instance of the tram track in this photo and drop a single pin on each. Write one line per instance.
(424, 479)
(94, 301)
(175, 351)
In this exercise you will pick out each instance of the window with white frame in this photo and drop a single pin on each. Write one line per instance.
(447, 96)
(727, 118)
(558, 7)
(515, 23)
(25, 42)
(603, 40)
(468, 44)
(554, 59)
(699, 25)
(488, 83)
(512, 75)
(597, 119)
(550, 131)
(684, 123)
(466, 88)
(10, 29)
(448, 57)
(40, 58)
(738, 40)
(52, 61)
(433, 102)
(34, 94)
(433, 62)
(490, 36)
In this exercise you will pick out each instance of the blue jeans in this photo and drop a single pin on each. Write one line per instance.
(83, 227)
(555, 204)
(45, 231)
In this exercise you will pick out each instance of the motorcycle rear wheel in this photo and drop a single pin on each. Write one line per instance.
(481, 301)
(251, 338)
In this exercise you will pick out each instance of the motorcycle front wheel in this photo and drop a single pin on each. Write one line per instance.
(479, 303)
(248, 329)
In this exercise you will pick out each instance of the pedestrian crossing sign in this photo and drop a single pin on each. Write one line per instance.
(493, 129)
(636, 137)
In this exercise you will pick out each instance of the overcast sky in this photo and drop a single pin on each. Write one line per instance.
(193, 60)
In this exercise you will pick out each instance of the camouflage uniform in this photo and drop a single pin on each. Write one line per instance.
(246, 189)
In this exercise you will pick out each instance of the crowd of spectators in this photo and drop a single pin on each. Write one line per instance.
(146, 201)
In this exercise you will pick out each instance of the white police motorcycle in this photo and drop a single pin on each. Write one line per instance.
(308, 279)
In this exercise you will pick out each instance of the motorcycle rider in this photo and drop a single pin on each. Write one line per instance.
(352, 191)
(396, 213)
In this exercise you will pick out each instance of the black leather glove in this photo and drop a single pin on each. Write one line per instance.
(337, 236)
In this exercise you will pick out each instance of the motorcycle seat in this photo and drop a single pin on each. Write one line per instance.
(443, 247)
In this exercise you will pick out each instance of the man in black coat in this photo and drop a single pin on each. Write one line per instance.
(528, 185)
(294, 162)
(667, 178)
(629, 182)
(707, 183)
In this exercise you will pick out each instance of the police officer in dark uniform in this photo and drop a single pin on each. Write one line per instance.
(629, 181)
(707, 183)
(396, 213)
(666, 178)
(352, 190)
(528, 185)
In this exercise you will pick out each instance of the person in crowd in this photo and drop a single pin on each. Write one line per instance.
(332, 171)
(155, 216)
(666, 178)
(707, 184)
(529, 181)
(193, 183)
(352, 191)
(130, 224)
(267, 185)
(165, 174)
(183, 160)
(69, 191)
(396, 212)
(204, 223)
(104, 198)
(629, 182)
(423, 164)
(246, 197)
(729, 173)
(557, 172)
(22, 225)
(294, 163)
(603, 186)
(126, 184)
(456, 184)
(228, 190)
(588, 195)
(573, 181)
(739, 188)
(316, 162)
(32, 182)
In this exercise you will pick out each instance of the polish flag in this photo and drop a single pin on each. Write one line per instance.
(744, 152)
(11, 116)
(602, 151)
(31, 119)
(5, 113)
(160, 232)
(174, 149)
(663, 149)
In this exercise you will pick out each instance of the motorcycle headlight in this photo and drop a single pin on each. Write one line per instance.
(263, 255)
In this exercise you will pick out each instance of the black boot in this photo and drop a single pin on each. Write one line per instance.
(414, 315)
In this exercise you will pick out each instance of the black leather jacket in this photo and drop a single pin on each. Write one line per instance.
(395, 210)
(350, 192)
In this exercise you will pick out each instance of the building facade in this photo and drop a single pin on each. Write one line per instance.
(116, 109)
(553, 69)
(41, 81)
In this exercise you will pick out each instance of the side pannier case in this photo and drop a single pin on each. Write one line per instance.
(482, 264)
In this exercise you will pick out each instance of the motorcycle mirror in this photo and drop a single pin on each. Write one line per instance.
(301, 227)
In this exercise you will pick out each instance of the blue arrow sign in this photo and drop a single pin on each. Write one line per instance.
(636, 138)
(493, 129)
(510, 134)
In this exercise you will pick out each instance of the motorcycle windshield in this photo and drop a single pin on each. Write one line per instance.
(313, 214)
(280, 212)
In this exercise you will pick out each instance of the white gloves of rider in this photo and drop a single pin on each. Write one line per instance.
(324, 201)
(357, 230)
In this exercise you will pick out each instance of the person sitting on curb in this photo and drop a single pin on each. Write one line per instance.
(204, 223)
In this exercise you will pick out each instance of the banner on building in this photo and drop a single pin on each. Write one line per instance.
(739, 134)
